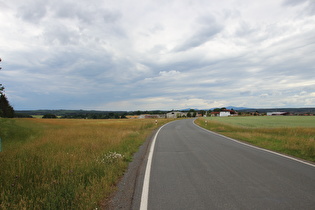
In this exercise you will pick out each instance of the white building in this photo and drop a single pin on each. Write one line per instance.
(225, 113)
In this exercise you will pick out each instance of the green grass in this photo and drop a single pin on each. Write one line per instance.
(37, 116)
(268, 121)
(291, 135)
(65, 164)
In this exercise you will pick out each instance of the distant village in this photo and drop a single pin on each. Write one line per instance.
(217, 112)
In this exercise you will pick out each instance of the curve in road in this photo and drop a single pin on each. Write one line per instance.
(192, 168)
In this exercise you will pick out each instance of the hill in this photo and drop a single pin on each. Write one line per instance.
(298, 111)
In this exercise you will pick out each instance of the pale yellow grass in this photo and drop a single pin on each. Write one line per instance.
(63, 166)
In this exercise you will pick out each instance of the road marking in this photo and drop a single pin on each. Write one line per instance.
(252, 146)
(146, 180)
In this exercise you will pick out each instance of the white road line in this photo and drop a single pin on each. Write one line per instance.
(146, 180)
(249, 145)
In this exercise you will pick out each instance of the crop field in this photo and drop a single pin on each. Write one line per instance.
(291, 135)
(65, 164)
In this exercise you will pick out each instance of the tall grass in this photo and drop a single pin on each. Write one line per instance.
(296, 137)
(65, 164)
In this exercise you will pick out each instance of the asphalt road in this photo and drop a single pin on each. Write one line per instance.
(195, 169)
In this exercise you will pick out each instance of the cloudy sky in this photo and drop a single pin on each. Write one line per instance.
(157, 54)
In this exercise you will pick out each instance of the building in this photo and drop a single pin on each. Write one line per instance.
(176, 114)
(224, 113)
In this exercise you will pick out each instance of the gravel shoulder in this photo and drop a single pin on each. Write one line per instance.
(129, 188)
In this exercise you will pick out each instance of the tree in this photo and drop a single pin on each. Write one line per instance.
(6, 110)
(194, 114)
(202, 112)
(49, 116)
(1, 87)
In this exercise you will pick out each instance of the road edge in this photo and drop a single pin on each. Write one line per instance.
(128, 193)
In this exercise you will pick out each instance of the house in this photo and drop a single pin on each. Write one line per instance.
(223, 113)
(215, 114)
(176, 114)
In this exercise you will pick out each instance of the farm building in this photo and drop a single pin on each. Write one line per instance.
(176, 114)
(146, 116)
(223, 113)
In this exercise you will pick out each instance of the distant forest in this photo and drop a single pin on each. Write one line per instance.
(90, 114)
(82, 114)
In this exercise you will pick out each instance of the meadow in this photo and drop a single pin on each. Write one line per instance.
(291, 135)
(66, 164)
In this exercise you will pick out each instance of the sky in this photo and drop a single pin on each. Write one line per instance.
(157, 54)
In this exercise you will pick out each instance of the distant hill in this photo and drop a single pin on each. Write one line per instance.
(84, 114)
(290, 110)
(227, 107)
(234, 107)
(110, 114)
(62, 112)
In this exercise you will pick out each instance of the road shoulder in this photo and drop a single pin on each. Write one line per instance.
(129, 188)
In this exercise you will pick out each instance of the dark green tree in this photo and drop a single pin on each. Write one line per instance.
(194, 114)
(1, 86)
(6, 110)
(49, 116)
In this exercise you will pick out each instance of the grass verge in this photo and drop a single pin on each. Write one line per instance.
(291, 138)
(65, 164)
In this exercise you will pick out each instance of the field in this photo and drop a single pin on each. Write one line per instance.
(65, 164)
(291, 135)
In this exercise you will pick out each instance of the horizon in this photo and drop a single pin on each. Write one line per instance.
(228, 107)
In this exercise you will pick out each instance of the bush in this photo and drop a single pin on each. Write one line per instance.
(50, 116)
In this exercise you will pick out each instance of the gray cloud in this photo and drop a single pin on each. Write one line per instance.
(294, 2)
(309, 9)
(126, 56)
(205, 29)
(32, 11)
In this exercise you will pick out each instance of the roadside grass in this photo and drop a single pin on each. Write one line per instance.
(291, 135)
(65, 164)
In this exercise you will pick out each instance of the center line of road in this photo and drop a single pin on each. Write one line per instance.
(146, 180)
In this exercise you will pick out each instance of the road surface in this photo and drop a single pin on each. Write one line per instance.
(192, 168)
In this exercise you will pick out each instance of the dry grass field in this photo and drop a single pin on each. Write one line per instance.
(65, 164)
(292, 135)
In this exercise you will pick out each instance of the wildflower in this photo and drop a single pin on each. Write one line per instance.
(110, 157)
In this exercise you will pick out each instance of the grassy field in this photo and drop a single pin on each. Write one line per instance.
(65, 164)
(292, 135)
